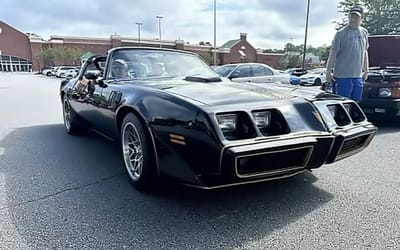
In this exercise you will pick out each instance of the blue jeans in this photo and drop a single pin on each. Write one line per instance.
(349, 87)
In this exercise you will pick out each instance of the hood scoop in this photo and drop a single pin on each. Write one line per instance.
(202, 79)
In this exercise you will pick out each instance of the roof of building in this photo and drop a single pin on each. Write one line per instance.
(229, 44)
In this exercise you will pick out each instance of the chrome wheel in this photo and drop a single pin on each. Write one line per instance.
(132, 149)
(67, 115)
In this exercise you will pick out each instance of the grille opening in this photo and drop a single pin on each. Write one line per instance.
(353, 144)
(355, 112)
(243, 128)
(276, 126)
(273, 161)
(339, 115)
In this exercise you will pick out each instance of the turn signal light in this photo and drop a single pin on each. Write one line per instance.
(396, 92)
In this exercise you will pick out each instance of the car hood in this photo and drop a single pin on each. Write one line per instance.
(309, 75)
(384, 51)
(221, 93)
(227, 93)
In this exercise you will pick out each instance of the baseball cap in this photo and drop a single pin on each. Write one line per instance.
(121, 61)
(357, 10)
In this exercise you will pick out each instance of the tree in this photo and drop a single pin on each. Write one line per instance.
(47, 56)
(73, 55)
(294, 61)
(323, 53)
(382, 17)
(290, 47)
(273, 51)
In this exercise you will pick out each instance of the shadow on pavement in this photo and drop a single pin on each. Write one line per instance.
(387, 126)
(72, 192)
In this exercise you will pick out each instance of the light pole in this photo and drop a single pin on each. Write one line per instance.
(215, 32)
(305, 36)
(159, 27)
(138, 26)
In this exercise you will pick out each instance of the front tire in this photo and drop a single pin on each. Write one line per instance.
(138, 155)
(317, 82)
(70, 120)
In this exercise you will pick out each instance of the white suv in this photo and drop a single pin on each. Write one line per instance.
(63, 70)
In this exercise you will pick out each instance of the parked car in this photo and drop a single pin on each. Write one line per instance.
(252, 72)
(381, 92)
(47, 71)
(71, 73)
(314, 77)
(175, 118)
(296, 71)
(54, 70)
(63, 71)
(294, 80)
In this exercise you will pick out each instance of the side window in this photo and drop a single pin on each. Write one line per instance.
(268, 72)
(242, 71)
(258, 70)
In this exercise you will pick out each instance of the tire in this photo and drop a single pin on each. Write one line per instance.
(71, 124)
(317, 82)
(138, 154)
(48, 74)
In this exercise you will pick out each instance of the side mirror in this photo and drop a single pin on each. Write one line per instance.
(91, 75)
(234, 75)
(101, 83)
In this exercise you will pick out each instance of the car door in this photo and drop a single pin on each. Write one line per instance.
(110, 102)
(241, 74)
(86, 96)
(261, 74)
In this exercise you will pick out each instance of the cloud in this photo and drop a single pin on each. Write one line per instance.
(269, 24)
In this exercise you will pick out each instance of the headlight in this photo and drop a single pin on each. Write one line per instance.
(270, 122)
(262, 119)
(355, 112)
(339, 115)
(236, 126)
(385, 92)
(332, 109)
(227, 122)
(396, 93)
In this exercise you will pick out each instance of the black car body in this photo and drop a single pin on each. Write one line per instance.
(381, 95)
(200, 130)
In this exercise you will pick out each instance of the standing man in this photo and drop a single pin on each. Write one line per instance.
(349, 57)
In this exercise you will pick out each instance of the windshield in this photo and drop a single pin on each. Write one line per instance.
(225, 70)
(147, 64)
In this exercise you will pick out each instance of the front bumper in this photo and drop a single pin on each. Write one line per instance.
(286, 157)
(307, 81)
(381, 108)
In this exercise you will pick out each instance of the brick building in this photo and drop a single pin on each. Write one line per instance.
(19, 51)
(15, 49)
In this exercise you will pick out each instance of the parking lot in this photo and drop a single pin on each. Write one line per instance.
(59, 191)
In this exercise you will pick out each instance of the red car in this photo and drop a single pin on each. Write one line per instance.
(381, 96)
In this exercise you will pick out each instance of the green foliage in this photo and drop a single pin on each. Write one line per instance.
(294, 62)
(62, 55)
(382, 17)
(47, 56)
(273, 51)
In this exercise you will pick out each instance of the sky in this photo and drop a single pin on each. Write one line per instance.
(268, 23)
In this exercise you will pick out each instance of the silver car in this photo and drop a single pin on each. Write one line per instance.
(252, 72)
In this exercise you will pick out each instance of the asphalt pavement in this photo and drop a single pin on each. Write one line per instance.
(63, 192)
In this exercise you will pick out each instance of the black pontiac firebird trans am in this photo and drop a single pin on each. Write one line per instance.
(174, 117)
